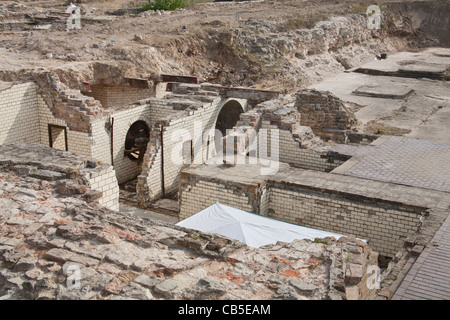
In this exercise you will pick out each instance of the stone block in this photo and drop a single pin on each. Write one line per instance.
(353, 273)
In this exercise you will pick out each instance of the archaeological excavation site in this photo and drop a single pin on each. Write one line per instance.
(225, 150)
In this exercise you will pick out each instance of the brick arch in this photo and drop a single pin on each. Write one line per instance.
(229, 115)
(126, 169)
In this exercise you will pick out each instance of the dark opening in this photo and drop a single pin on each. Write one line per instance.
(227, 119)
(228, 116)
(136, 141)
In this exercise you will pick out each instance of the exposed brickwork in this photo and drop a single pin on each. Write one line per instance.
(49, 228)
(197, 193)
(325, 114)
(66, 104)
(386, 226)
(381, 213)
(290, 150)
(26, 118)
(195, 120)
(360, 265)
(114, 96)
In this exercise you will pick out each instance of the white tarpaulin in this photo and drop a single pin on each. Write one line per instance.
(253, 229)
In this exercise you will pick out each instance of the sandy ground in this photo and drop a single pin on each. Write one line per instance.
(106, 37)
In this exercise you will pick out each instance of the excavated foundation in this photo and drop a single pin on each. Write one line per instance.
(292, 116)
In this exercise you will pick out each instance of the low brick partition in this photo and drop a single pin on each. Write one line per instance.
(204, 185)
(113, 95)
(384, 223)
(385, 214)
(103, 178)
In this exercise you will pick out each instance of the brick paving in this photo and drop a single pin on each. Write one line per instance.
(429, 277)
(402, 160)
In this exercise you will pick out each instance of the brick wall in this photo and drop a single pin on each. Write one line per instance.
(149, 111)
(104, 179)
(28, 108)
(77, 142)
(198, 194)
(290, 151)
(385, 223)
(112, 96)
(19, 120)
(25, 117)
(194, 123)
(325, 114)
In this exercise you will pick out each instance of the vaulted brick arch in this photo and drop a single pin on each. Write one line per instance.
(228, 116)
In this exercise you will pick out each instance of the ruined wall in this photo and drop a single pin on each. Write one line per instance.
(359, 265)
(26, 116)
(72, 174)
(61, 232)
(192, 125)
(290, 151)
(281, 137)
(149, 111)
(197, 193)
(103, 178)
(77, 141)
(205, 193)
(42, 100)
(325, 114)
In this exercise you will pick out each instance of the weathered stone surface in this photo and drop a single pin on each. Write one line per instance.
(25, 263)
(207, 289)
(65, 248)
(146, 281)
(165, 288)
(353, 273)
(303, 287)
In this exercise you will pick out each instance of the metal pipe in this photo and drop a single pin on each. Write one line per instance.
(163, 188)
(112, 141)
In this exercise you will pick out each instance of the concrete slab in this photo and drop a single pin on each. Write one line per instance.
(432, 63)
(385, 90)
(425, 114)
(245, 171)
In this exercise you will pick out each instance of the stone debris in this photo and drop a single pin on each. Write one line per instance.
(55, 245)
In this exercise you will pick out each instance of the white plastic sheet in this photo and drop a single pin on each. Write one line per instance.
(253, 229)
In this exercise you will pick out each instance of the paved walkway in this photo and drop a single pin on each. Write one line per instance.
(401, 160)
(429, 277)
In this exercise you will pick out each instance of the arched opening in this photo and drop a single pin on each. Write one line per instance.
(136, 141)
(228, 116)
(227, 119)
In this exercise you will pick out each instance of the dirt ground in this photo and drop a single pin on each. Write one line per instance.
(212, 40)
(190, 41)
